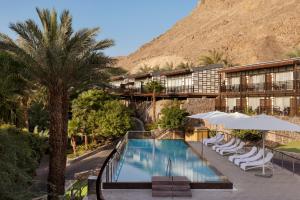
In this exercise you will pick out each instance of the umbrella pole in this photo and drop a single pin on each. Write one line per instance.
(263, 174)
(263, 168)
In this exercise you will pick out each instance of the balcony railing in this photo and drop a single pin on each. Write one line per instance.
(259, 110)
(262, 87)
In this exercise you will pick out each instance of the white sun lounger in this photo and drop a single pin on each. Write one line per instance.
(212, 138)
(259, 163)
(242, 156)
(224, 145)
(215, 141)
(233, 150)
(237, 142)
(257, 156)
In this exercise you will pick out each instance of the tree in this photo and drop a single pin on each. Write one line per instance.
(145, 69)
(294, 54)
(215, 57)
(114, 120)
(84, 109)
(12, 86)
(172, 116)
(154, 87)
(73, 132)
(20, 154)
(59, 59)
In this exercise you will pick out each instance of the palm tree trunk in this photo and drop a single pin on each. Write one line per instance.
(74, 144)
(154, 106)
(86, 141)
(25, 112)
(94, 137)
(58, 141)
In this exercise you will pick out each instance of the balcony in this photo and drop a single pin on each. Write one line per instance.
(283, 86)
(260, 110)
(180, 89)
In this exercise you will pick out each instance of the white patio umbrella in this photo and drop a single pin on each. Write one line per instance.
(204, 115)
(225, 118)
(262, 123)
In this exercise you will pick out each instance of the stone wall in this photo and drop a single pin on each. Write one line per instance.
(199, 105)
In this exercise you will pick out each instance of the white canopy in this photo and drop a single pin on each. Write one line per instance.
(205, 115)
(225, 118)
(261, 122)
(244, 122)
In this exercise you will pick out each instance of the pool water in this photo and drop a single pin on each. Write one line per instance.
(144, 158)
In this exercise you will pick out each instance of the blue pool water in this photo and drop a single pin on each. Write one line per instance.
(144, 158)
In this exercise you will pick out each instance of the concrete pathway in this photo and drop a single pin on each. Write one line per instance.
(282, 186)
(90, 163)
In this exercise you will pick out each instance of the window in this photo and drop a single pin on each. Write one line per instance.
(282, 103)
(284, 76)
(253, 103)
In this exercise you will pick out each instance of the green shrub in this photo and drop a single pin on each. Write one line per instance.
(247, 135)
(20, 153)
(115, 119)
(172, 116)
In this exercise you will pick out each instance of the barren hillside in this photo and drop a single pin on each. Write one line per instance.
(246, 30)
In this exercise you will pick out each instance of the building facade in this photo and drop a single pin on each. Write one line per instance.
(194, 82)
(270, 87)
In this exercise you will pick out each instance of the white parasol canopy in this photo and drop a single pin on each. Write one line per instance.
(263, 123)
(226, 118)
(205, 115)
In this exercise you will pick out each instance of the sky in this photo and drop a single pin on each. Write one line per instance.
(130, 23)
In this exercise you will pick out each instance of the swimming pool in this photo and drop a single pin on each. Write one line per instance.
(141, 159)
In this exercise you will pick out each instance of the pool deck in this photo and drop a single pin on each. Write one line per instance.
(283, 184)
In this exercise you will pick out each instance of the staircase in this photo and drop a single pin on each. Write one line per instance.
(171, 186)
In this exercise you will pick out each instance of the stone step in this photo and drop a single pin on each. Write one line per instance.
(175, 180)
(156, 193)
(161, 180)
(182, 193)
(176, 186)
(171, 187)
(171, 193)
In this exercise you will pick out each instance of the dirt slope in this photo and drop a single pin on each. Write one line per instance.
(246, 30)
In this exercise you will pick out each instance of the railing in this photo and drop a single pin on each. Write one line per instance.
(283, 85)
(286, 161)
(111, 166)
(262, 87)
(180, 89)
(169, 168)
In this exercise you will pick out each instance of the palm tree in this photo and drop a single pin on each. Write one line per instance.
(154, 87)
(215, 57)
(59, 59)
(145, 69)
(294, 54)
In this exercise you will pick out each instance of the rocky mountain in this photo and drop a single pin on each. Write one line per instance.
(247, 31)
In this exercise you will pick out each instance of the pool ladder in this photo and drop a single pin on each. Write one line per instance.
(169, 168)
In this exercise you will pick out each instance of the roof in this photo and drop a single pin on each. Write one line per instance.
(140, 76)
(117, 78)
(212, 66)
(176, 72)
(263, 65)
